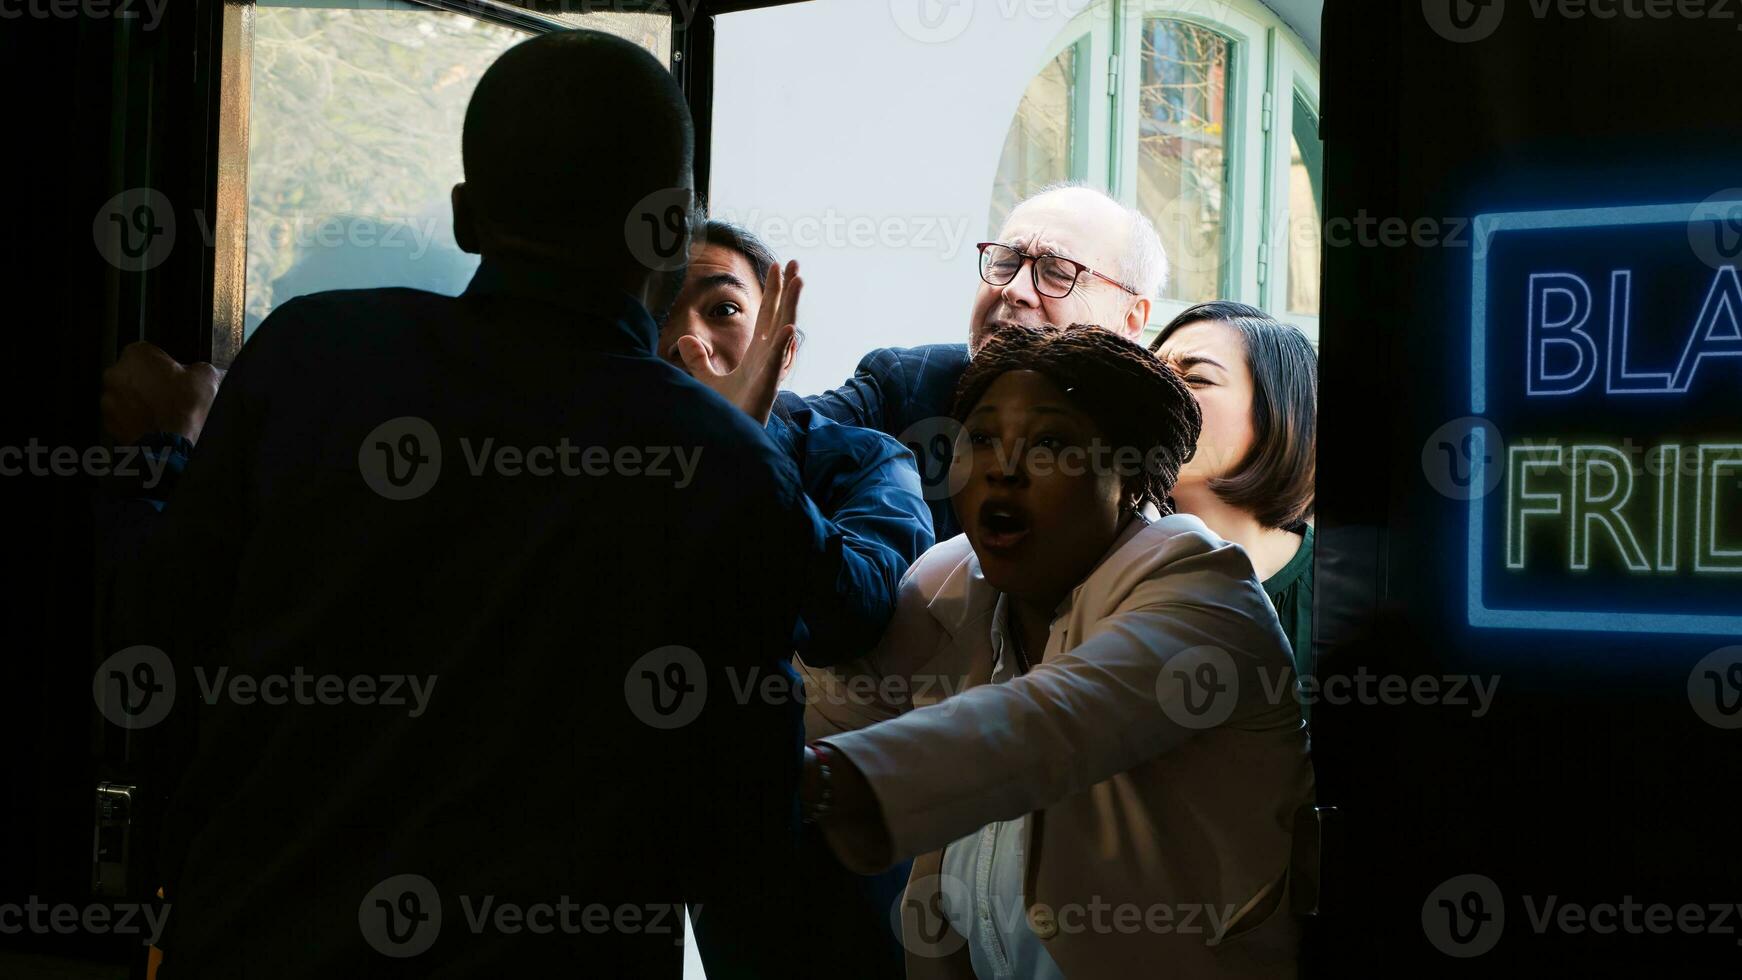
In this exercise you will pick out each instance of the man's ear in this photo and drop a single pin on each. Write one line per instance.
(1136, 319)
(465, 228)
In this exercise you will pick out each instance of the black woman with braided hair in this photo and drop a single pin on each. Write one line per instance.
(1073, 724)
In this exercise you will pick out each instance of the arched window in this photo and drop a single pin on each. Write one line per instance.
(1205, 118)
(1181, 133)
(1045, 141)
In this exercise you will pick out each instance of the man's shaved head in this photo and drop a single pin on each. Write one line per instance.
(1090, 204)
(1127, 245)
(1085, 225)
(564, 135)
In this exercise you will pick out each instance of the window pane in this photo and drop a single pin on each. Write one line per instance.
(1181, 150)
(1306, 181)
(1037, 149)
(651, 31)
(354, 142)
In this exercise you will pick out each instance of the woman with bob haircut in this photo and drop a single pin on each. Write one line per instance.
(1251, 480)
(1069, 723)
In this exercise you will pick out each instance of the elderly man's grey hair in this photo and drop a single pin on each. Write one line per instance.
(1143, 261)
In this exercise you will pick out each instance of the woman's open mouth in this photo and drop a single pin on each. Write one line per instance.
(1003, 524)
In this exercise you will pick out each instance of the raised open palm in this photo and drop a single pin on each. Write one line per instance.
(753, 385)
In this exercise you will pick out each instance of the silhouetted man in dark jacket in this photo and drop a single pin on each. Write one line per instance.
(478, 600)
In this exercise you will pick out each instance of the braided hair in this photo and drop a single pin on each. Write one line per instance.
(1135, 399)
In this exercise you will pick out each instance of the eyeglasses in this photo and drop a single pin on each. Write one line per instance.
(1054, 275)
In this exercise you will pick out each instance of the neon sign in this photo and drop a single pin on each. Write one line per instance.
(1606, 351)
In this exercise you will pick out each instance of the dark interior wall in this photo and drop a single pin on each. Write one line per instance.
(1591, 778)
(95, 105)
(53, 343)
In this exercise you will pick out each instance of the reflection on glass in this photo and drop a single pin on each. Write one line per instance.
(354, 142)
(1306, 181)
(1037, 148)
(1182, 149)
(651, 31)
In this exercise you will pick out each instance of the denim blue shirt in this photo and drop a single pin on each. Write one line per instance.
(905, 392)
(865, 488)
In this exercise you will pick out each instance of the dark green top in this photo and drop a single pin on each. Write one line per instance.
(1291, 592)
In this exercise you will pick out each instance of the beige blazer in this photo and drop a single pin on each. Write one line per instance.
(1157, 750)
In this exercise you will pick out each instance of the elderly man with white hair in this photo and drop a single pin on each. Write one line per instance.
(1069, 254)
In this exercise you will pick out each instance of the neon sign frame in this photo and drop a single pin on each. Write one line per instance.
(1486, 226)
